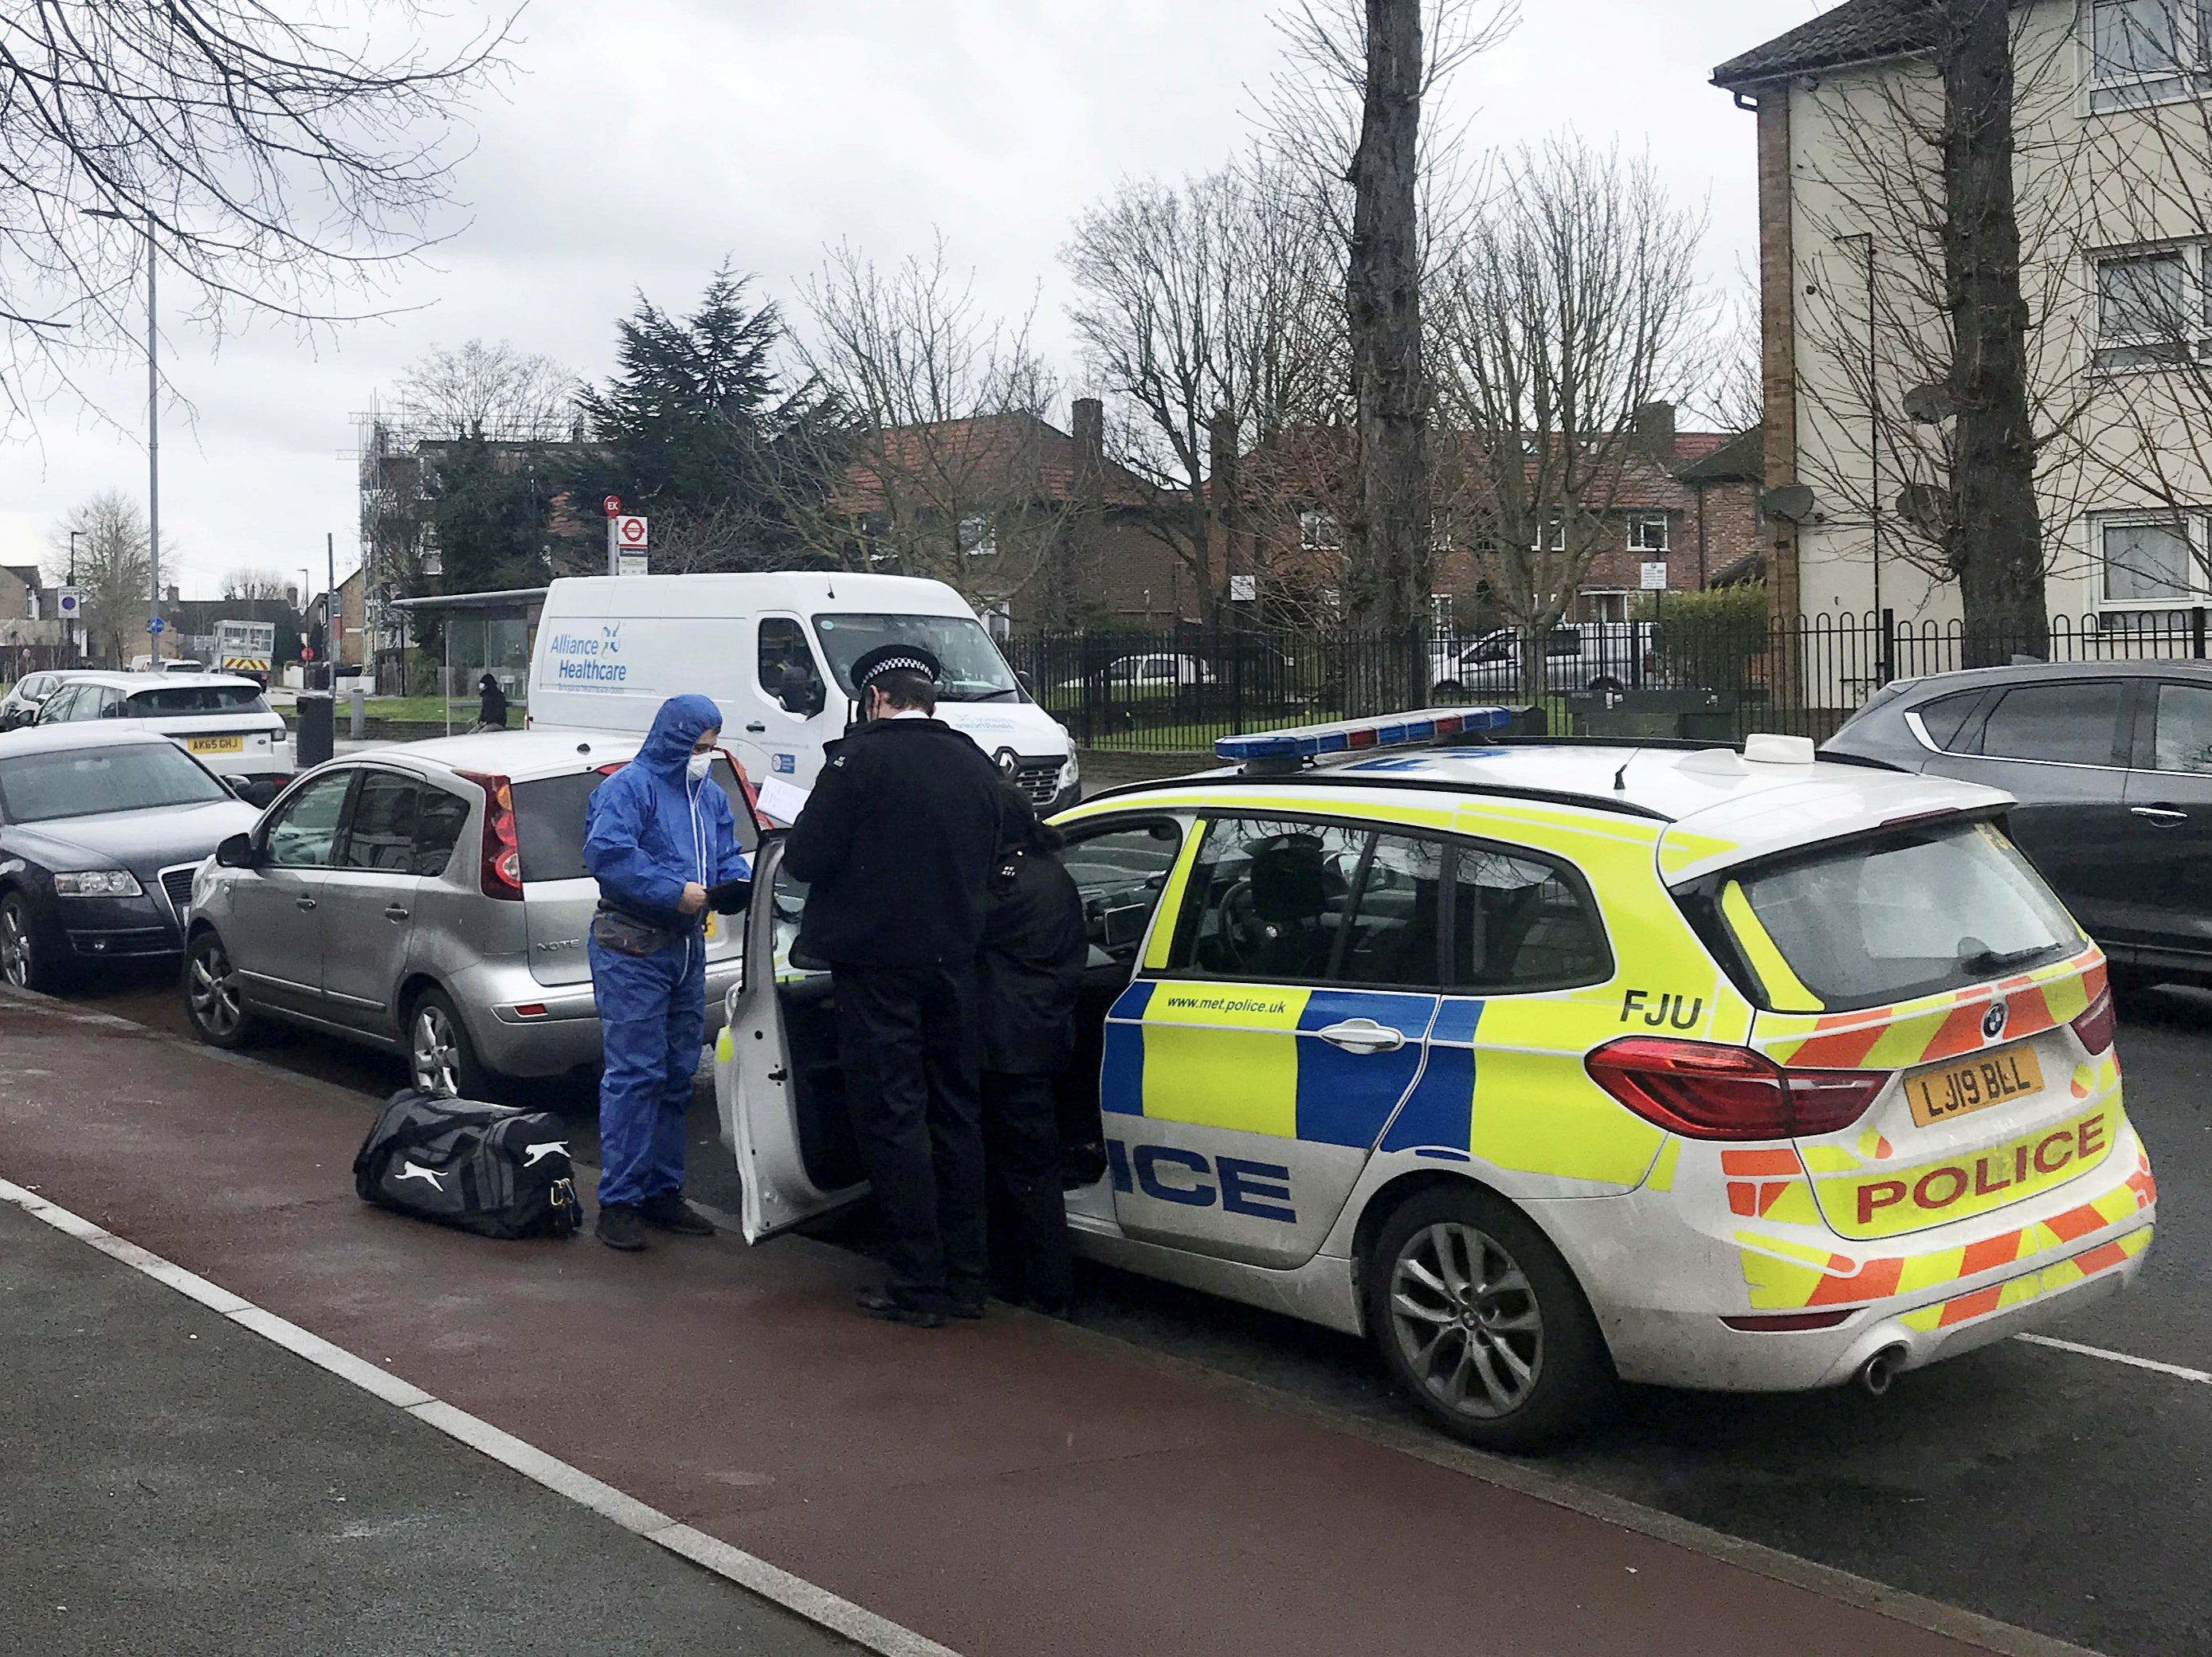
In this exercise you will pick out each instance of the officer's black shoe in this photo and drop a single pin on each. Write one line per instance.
(882, 1303)
(670, 1212)
(621, 1226)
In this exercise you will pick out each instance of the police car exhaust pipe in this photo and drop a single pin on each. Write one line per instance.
(1878, 1371)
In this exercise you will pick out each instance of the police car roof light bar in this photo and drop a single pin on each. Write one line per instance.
(1272, 752)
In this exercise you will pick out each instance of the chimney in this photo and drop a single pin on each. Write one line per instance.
(1089, 437)
(1654, 431)
(171, 597)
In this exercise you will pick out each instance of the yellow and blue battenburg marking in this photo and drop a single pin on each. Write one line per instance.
(1310, 741)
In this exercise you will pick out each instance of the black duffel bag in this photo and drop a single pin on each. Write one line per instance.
(493, 1169)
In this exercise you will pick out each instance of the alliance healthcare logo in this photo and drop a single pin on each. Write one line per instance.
(585, 661)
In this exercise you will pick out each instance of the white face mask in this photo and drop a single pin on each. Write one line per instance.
(697, 766)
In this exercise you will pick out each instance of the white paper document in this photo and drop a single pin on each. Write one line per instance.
(781, 801)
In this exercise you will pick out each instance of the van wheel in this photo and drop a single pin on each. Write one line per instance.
(441, 1058)
(1480, 1320)
(215, 998)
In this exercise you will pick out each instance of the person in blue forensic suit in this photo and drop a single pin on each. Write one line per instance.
(661, 839)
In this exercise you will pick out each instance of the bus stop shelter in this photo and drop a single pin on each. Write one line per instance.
(480, 633)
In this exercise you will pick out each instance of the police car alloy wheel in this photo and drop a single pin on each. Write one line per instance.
(1482, 1323)
(214, 998)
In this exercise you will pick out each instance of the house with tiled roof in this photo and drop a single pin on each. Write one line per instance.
(2112, 173)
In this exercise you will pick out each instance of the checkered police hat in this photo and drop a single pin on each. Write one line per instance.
(895, 659)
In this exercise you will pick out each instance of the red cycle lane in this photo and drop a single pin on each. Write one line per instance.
(1010, 1488)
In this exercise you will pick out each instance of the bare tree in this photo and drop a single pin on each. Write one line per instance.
(947, 441)
(111, 569)
(1568, 309)
(273, 156)
(255, 584)
(494, 391)
(1211, 319)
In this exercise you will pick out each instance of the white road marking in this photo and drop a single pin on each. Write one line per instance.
(818, 1605)
(2110, 1356)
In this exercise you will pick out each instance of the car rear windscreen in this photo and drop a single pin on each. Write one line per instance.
(172, 700)
(1908, 913)
(549, 818)
(90, 782)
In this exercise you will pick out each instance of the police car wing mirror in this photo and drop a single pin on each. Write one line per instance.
(234, 851)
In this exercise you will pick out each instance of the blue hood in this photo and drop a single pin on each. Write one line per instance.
(675, 728)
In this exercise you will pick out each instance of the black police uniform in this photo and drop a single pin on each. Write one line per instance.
(1029, 973)
(895, 844)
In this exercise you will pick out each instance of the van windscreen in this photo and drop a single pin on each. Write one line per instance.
(548, 821)
(974, 670)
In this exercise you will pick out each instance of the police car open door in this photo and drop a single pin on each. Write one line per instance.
(777, 1086)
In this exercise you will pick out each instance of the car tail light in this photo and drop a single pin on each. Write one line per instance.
(1704, 1090)
(501, 875)
(2095, 1025)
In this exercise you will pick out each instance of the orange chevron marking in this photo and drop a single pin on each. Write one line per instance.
(1876, 1280)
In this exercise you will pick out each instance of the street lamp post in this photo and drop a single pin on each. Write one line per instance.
(153, 433)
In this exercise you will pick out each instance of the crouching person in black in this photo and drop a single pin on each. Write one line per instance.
(1027, 974)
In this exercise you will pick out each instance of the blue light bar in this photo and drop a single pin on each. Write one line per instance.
(1309, 741)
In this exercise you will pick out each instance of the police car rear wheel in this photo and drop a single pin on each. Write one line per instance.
(1481, 1321)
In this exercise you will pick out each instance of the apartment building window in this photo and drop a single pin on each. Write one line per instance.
(1648, 533)
(2142, 50)
(2153, 305)
(1318, 531)
(1552, 537)
(2152, 558)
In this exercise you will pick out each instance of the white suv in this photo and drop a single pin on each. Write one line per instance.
(221, 720)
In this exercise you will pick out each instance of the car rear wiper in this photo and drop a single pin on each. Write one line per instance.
(1985, 962)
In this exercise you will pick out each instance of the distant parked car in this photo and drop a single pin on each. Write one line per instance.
(21, 706)
(1152, 675)
(2112, 764)
(223, 721)
(100, 831)
(1577, 656)
(429, 900)
(167, 664)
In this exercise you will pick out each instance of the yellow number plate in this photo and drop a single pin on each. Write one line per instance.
(216, 744)
(1995, 1078)
(711, 919)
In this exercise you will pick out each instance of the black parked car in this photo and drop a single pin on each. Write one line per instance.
(2112, 764)
(100, 832)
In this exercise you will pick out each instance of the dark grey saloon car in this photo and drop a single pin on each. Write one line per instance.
(2112, 764)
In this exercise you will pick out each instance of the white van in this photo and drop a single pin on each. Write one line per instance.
(776, 651)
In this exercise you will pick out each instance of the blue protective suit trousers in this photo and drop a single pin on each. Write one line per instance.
(653, 1017)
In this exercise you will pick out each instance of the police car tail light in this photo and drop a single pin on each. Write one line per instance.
(2095, 1025)
(1706, 1090)
(501, 861)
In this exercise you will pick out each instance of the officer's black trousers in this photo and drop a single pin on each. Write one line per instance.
(907, 1037)
(1029, 1214)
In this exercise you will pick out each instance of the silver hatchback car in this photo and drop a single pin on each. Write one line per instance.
(429, 900)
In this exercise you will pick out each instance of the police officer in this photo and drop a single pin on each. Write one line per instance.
(895, 844)
(661, 840)
(1028, 972)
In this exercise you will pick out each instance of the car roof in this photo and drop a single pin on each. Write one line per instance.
(1712, 806)
(521, 755)
(44, 738)
(150, 681)
(1970, 678)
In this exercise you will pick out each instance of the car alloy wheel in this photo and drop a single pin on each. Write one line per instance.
(213, 994)
(1466, 1320)
(19, 963)
(433, 1048)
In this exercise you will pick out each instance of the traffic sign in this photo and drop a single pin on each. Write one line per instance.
(629, 534)
(156, 625)
(70, 602)
(306, 653)
(613, 505)
(630, 563)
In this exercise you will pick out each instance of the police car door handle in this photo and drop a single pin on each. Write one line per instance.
(303, 902)
(1362, 1035)
(2164, 815)
(393, 912)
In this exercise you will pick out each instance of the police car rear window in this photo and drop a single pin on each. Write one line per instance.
(548, 821)
(1886, 918)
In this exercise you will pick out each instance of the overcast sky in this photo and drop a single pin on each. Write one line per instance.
(636, 145)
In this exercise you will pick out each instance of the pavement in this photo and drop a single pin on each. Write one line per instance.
(1017, 1487)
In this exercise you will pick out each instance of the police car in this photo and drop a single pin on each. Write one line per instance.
(1546, 1065)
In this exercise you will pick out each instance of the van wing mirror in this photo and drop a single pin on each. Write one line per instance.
(234, 851)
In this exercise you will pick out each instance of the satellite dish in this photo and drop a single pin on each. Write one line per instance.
(1792, 503)
(1930, 404)
(1927, 508)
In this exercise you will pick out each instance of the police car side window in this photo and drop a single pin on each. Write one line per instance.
(1521, 922)
(1267, 899)
(1121, 874)
(1393, 936)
